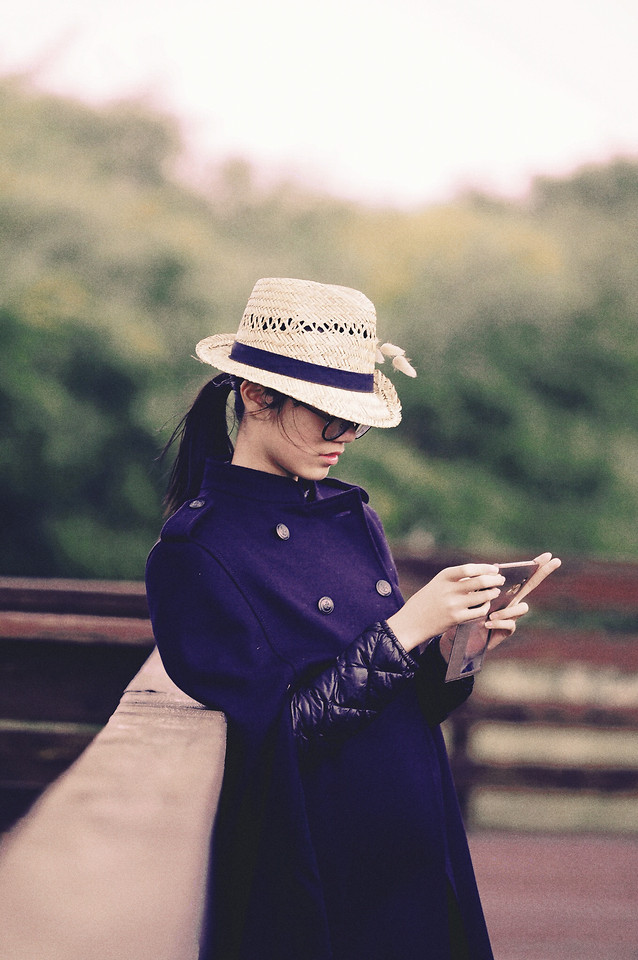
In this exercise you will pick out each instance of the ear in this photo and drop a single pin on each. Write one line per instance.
(254, 396)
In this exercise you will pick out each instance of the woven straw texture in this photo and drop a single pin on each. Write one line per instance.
(317, 323)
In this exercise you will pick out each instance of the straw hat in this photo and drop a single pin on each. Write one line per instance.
(314, 342)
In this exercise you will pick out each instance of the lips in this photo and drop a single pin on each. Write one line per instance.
(330, 458)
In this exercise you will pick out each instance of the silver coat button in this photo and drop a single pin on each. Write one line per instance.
(383, 588)
(326, 605)
(282, 531)
(196, 504)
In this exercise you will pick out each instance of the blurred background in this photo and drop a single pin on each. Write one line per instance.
(440, 157)
(473, 171)
(473, 168)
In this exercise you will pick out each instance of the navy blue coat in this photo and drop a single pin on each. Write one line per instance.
(338, 835)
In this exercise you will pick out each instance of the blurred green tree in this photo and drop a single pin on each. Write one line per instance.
(520, 317)
(79, 489)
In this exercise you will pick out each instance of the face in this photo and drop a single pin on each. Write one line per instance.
(288, 442)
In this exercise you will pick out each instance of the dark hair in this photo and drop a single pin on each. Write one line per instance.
(202, 433)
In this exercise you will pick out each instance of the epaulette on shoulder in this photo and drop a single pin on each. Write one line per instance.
(183, 522)
(342, 485)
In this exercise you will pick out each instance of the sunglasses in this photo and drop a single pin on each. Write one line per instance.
(335, 427)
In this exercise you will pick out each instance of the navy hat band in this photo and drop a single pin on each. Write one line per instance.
(301, 369)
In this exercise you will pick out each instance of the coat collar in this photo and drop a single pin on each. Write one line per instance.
(255, 484)
(268, 487)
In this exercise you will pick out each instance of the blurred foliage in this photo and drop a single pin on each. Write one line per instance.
(76, 481)
(519, 432)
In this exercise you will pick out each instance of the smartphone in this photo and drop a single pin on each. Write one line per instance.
(470, 639)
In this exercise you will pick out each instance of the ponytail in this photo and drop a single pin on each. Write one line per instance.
(202, 433)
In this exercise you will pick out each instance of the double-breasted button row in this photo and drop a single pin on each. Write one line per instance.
(326, 604)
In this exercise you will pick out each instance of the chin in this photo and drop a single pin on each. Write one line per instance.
(315, 473)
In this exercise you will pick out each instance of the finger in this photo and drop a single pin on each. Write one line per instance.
(486, 581)
(477, 598)
(547, 566)
(468, 570)
(478, 589)
(503, 633)
(500, 617)
(503, 626)
(474, 613)
(544, 557)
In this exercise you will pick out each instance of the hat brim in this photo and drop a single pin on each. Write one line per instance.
(380, 408)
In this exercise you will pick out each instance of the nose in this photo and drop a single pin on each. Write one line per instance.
(349, 435)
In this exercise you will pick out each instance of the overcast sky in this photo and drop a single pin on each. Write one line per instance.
(402, 101)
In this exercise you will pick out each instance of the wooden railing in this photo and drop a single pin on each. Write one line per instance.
(67, 650)
(548, 738)
(121, 839)
(111, 861)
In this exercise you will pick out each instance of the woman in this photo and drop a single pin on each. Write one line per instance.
(274, 598)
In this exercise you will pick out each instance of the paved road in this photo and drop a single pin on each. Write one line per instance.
(559, 897)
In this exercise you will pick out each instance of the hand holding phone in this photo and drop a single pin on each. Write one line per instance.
(470, 639)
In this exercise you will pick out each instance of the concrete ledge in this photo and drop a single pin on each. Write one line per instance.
(111, 862)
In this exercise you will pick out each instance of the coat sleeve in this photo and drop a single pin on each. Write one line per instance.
(216, 649)
(362, 681)
(211, 641)
(355, 688)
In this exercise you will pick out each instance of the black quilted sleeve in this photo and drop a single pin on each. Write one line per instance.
(351, 692)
